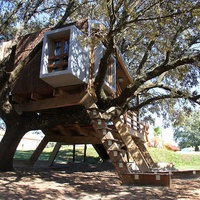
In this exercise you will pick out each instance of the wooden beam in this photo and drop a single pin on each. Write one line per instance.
(144, 152)
(70, 100)
(87, 101)
(58, 92)
(74, 139)
(83, 131)
(18, 99)
(186, 174)
(47, 132)
(36, 97)
(54, 153)
(38, 150)
(74, 153)
(62, 130)
(101, 151)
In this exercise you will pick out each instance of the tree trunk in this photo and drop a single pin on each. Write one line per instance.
(196, 148)
(8, 146)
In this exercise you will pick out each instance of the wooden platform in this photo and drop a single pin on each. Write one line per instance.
(158, 178)
(148, 179)
(186, 174)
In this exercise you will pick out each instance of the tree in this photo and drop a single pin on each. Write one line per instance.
(157, 131)
(156, 140)
(32, 13)
(188, 134)
(159, 41)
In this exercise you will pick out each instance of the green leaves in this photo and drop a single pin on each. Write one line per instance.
(188, 133)
(157, 131)
(173, 27)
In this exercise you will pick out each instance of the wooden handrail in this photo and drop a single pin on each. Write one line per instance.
(130, 118)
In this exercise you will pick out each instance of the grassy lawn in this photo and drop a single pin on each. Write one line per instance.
(181, 161)
(65, 154)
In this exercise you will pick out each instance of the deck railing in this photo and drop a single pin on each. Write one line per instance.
(131, 119)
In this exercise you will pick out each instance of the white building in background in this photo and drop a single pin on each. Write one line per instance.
(5, 48)
(28, 142)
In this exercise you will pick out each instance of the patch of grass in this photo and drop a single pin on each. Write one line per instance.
(65, 154)
(180, 160)
(23, 154)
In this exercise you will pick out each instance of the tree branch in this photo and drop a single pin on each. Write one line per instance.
(4, 75)
(129, 92)
(141, 13)
(151, 100)
(174, 64)
(183, 94)
(9, 19)
(170, 15)
(67, 13)
(145, 57)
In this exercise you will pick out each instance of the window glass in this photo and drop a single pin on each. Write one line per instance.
(66, 50)
(110, 69)
(59, 55)
(57, 52)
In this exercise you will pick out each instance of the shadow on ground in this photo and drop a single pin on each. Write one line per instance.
(84, 181)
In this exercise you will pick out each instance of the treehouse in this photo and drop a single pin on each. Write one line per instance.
(57, 79)
(65, 61)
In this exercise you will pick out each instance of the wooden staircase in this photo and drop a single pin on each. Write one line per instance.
(125, 148)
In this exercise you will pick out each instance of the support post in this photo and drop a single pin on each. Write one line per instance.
(74, 152)
(85, 151)
(38, 150)
(54, 153)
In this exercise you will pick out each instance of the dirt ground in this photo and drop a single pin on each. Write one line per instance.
(84, 182)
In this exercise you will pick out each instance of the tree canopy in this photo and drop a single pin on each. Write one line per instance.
(188, 133)
(158, 39)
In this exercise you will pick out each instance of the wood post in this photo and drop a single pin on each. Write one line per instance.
(74, 153)
(54, 153)
(85, 151)
(38, 150)
(144, 152)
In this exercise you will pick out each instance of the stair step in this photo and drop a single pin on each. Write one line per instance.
(117, 150)
(120, 134)
(117, 157)
(110, 141)
(94, 109)
(107, 129)
(95, 112)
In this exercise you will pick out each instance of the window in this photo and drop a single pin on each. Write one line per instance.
(111, 74)
(110, 79)
(110, 71)
(59, 53)
(64, 60)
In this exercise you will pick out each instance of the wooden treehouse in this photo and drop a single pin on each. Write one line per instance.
(58, 79)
